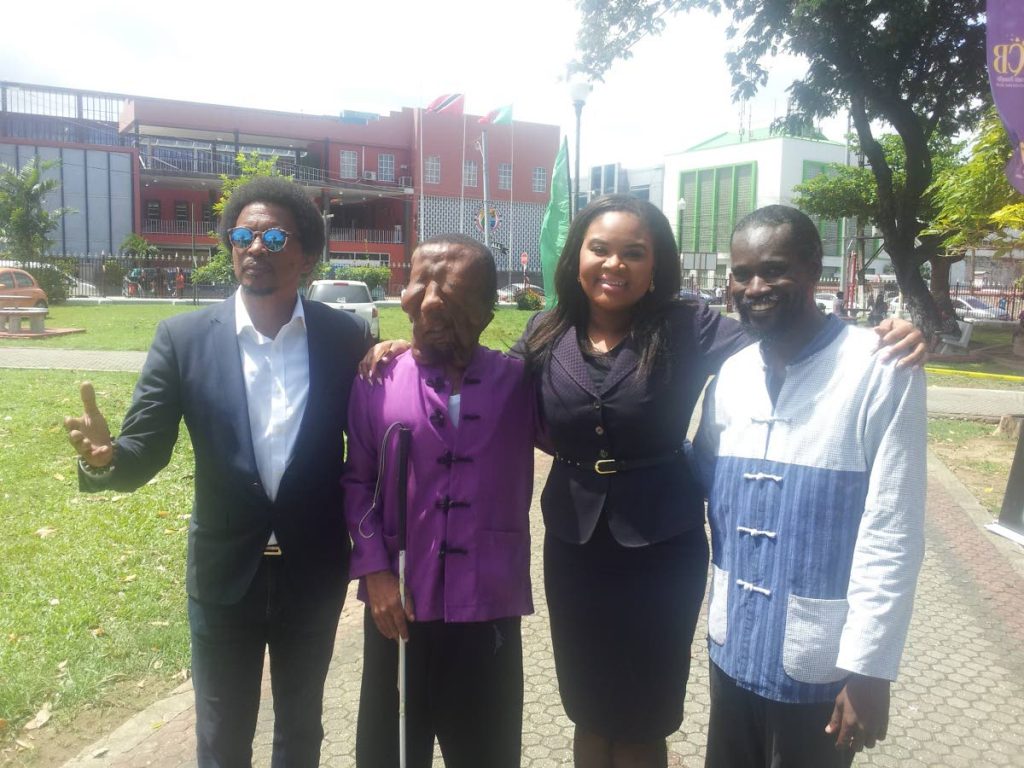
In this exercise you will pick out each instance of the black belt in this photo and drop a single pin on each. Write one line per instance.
(612, 466)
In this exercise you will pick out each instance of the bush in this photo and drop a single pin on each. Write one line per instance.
(53, 278)
(529, 300)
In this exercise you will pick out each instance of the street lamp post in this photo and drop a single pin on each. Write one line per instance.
(327, 236)
(578, 92)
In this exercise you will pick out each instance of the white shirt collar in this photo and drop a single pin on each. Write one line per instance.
(243, 320)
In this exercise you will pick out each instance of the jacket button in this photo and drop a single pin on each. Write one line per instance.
(597, 404)
(603, 453)
(599, 429)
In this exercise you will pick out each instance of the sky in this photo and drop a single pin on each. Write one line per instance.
(381, 55)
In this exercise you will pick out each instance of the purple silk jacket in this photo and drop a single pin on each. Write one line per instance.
(469, 489)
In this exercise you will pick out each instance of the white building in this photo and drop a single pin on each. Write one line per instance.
(711, 186)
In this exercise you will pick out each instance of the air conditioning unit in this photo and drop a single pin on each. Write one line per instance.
(405, 181)
(369, 175)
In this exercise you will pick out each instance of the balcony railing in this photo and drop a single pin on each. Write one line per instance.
(393, 235)
(163, 227)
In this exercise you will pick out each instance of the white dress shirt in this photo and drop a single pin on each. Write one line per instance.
(276, 373)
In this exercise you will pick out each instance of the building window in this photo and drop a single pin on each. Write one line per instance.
(504, 176)
(469, 175)
(349, 165)
(385, 167)
(432, 170)
(716, 198)
(540, 179)
(207, 216)
(181, 212)
(152, 210)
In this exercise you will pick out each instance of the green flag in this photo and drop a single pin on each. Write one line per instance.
(555, 227)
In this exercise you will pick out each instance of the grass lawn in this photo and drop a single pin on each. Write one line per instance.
(979, 458)
(91, 584)
(122, 327)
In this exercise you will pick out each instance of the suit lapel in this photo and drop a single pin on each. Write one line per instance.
(567, 355)
(231, 383)
(626, 362)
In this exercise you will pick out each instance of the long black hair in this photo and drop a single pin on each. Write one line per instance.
(649, 323)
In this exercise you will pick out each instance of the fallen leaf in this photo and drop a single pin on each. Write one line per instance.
(58, 477)
(185, 674)
(97, 632)
(24, 744)
(54, 601)
(159, 623)
(157, 664)
(162, 513)
(129, 578)
(42, 718)
(100, 752)
(45, 531)
(3, 725)
(63, 665)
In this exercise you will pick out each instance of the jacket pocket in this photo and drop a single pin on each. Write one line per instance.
(718, 606)
(813, 630)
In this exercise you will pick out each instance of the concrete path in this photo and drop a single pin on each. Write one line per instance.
(985, 403)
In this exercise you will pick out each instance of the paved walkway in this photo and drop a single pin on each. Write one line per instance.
(959, 701)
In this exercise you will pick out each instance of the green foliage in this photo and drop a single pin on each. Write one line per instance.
(529, 300)
(113, 276)
(25, 220)
(135, 245)
(975, 200)
(917, 65)
(374, 277)
(54, 277)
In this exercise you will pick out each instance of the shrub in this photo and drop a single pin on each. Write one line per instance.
(529, 300)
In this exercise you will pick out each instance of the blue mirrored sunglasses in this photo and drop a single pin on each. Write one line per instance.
(274, 239)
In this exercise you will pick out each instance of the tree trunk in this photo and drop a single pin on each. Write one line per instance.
(940, 288)
(922, 307)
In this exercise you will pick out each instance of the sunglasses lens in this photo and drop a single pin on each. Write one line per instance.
(241, 237)
(274, 239)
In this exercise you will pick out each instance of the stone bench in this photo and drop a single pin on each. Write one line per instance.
(956, 346)
(12, 317)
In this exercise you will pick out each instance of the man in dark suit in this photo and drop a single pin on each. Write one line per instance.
(262, 382)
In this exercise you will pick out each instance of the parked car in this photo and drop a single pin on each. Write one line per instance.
(19, 289)
(687, 294)
(73, 286)
(348, 296)
(976, 309)
(825, 302)
(509, 293)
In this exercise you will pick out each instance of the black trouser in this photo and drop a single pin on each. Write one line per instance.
(749, 731)
(464, 685)
(228, 645)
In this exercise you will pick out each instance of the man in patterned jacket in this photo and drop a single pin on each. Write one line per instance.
(813, 452)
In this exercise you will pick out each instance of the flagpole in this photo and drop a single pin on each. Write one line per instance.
(483, 163)
(462, 183)
(419, 112)
(511, 197)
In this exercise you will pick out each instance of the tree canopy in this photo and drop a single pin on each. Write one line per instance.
(915, 65)
(25, 220)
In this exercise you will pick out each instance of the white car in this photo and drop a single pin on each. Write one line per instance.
(976, 309)
(348, 296)
(825, 302)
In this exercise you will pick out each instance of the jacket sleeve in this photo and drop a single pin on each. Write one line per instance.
(719, 337)
(704, 452)
(363, 518)
(890, 539)
(150, 428)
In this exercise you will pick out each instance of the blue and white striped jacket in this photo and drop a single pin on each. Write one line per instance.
(816, 508)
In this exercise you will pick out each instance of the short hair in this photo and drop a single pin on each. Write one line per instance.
(481, 254)
(804, 236)
(278, 190)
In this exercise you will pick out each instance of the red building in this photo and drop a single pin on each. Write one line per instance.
(154, 166)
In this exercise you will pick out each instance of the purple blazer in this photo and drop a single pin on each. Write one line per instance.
(468, 540)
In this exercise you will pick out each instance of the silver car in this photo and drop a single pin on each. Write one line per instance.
(348, 296)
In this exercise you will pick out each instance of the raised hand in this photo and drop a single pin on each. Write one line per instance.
(89, 433)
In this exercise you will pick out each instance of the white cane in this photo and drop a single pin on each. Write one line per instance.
(403, 481)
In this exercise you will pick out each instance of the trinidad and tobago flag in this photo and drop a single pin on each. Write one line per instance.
(449, 103)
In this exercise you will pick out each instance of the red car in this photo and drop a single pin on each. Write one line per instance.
(19, 289)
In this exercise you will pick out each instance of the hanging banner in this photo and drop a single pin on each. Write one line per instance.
(1005, 50)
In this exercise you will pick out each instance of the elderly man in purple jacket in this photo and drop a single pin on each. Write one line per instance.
(472, 415)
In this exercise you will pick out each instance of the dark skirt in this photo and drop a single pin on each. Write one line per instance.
(622, 621)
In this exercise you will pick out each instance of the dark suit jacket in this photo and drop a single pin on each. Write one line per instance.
(193, 371)
(630, 417)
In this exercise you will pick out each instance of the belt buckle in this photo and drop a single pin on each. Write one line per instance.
(601, 467)
(272, 550)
